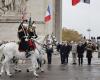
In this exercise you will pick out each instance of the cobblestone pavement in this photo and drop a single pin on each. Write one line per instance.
(56, 71)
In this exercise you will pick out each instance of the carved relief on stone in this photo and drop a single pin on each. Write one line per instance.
(15, 6)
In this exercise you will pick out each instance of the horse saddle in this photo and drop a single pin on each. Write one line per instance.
(31, 44)
(22, 47)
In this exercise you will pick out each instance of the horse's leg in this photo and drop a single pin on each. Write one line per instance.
(7, 69)
(2, 68)
(16, 61)
(7, 63)
(42, 65)
(34, 65)
(4, 65)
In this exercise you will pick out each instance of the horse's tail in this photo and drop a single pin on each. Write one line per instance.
(1, 53)
(2, 46)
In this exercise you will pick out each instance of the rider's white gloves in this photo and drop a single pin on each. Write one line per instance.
(26, 39)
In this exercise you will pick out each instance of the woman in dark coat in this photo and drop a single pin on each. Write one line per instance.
(89, 50)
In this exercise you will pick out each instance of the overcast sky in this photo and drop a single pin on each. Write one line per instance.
(82, 16)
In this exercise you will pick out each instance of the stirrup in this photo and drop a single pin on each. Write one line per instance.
(28, 55)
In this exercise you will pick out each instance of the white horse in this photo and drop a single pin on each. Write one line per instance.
(10, 50)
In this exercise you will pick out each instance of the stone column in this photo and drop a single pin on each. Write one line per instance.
(58, 20)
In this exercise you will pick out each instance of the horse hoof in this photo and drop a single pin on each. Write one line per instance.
(10, 75)
(36, 76)
(42, 71)
(27, 70)
(20, 71)
(0, 74)
(16, 70)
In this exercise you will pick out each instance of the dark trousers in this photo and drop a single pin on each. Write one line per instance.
(89, 61)
(80, 60)
(66, 59)
(49, 57)
(62, 58)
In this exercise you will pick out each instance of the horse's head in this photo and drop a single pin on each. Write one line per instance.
(51, 40)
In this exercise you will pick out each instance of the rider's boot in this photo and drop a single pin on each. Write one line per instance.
(27, 54)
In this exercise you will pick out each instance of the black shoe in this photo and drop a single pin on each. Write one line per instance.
(74, 63)
(28, 54)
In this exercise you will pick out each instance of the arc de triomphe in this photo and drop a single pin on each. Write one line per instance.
(10, 15)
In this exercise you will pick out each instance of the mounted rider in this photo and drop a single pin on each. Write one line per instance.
(23, 37)
(32, 31)
(32, 36)
(26, 34)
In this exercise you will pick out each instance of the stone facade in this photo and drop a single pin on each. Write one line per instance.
(37, 10)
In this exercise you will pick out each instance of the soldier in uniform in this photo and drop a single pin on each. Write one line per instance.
(32, 35)
(32, 32)
(23, 37)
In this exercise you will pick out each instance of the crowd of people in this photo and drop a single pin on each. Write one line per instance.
(77, 49)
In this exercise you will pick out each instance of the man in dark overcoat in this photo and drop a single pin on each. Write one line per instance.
(80, 51)
(62, 52)
(68, 48)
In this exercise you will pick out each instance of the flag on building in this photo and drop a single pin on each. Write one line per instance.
(48, 14)
(75, 2)
(87, 1)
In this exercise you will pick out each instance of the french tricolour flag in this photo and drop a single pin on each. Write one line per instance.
(75, 2)
(48, 14)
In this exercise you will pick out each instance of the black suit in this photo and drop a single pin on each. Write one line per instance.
(49, 52)
(68, 48)
(80, 51)
(58, 47)
(62, 53)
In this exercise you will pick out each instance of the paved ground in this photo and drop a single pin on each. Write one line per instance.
(56, 71)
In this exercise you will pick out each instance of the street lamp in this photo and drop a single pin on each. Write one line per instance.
(89, 31)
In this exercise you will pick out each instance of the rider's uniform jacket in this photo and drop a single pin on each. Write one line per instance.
(32, 34)
(22, 32)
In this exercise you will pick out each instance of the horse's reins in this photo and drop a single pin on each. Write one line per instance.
(39, 44)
